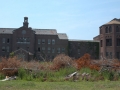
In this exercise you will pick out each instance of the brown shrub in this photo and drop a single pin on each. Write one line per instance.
(85, 61)
(9, 63)
(61, 61)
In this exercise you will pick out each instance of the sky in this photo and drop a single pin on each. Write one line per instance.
(79, 19)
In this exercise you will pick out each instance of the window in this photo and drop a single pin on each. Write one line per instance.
(3, 49)
(38, 49)
(118, 55)
(108, 42)
(78, 51)
(49, 41)
(39, 41)
(58, 50)
(101, 43)
(8, 40)
(53, 41)
(43, 48)
(108, 29)
(3, 40)
(43, 41)
(7, 48)
(107, 54)
(110, 55)
(117, 29)
(25, 40)
(63, 50)
(49, 49)
(118, 41)
(53, 50)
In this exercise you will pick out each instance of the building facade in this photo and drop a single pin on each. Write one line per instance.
(109, 37)
(42, 44)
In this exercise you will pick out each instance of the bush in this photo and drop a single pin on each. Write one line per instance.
(62, 61)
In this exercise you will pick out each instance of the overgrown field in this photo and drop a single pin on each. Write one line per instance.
(31, 85)
(60, 68)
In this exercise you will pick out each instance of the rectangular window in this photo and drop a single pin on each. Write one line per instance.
(43, 48)
(39, 41)
(7, 48)
(63, 49)
(38, 49)
(49, 41)
(110, 55)
(78, 51)
(3, 40)
(53, 50)
(3, 49)
(101, 43)
(118, 41)
(43, 41)
(118, 55)
(8, 40)
(58, 50)
(49, 49)
(108, 42)
(107, 54)
(53, 41)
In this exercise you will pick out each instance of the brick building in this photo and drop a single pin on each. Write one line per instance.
(109, 37)
(42, 44)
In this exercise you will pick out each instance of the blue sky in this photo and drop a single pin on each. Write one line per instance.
(80, 19)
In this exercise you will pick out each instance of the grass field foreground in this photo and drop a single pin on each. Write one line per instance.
(84, 85)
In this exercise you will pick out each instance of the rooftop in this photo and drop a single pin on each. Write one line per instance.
(114, 21)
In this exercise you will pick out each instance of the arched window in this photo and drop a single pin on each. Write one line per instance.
(106, 30)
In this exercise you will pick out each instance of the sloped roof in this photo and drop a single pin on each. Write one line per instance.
(6, 30)
(21, 49)
(75, 40)
(46, 31)
(62, 36)
(114, 21)
(38, 31)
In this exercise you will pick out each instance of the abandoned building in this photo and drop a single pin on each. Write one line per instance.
(109, 38)
(28, 43)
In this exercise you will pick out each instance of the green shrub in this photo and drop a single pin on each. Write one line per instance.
(22, 73)
(2, 76)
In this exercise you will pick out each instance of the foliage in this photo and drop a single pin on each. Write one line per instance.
(85, 61)
(62, 61)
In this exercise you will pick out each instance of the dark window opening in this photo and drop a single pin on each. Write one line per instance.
(117, 29)
(118, 41)
(118, 55)
(108, 42)
(8, 40)
(108, 29)
(3, 49)
(39, 49)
